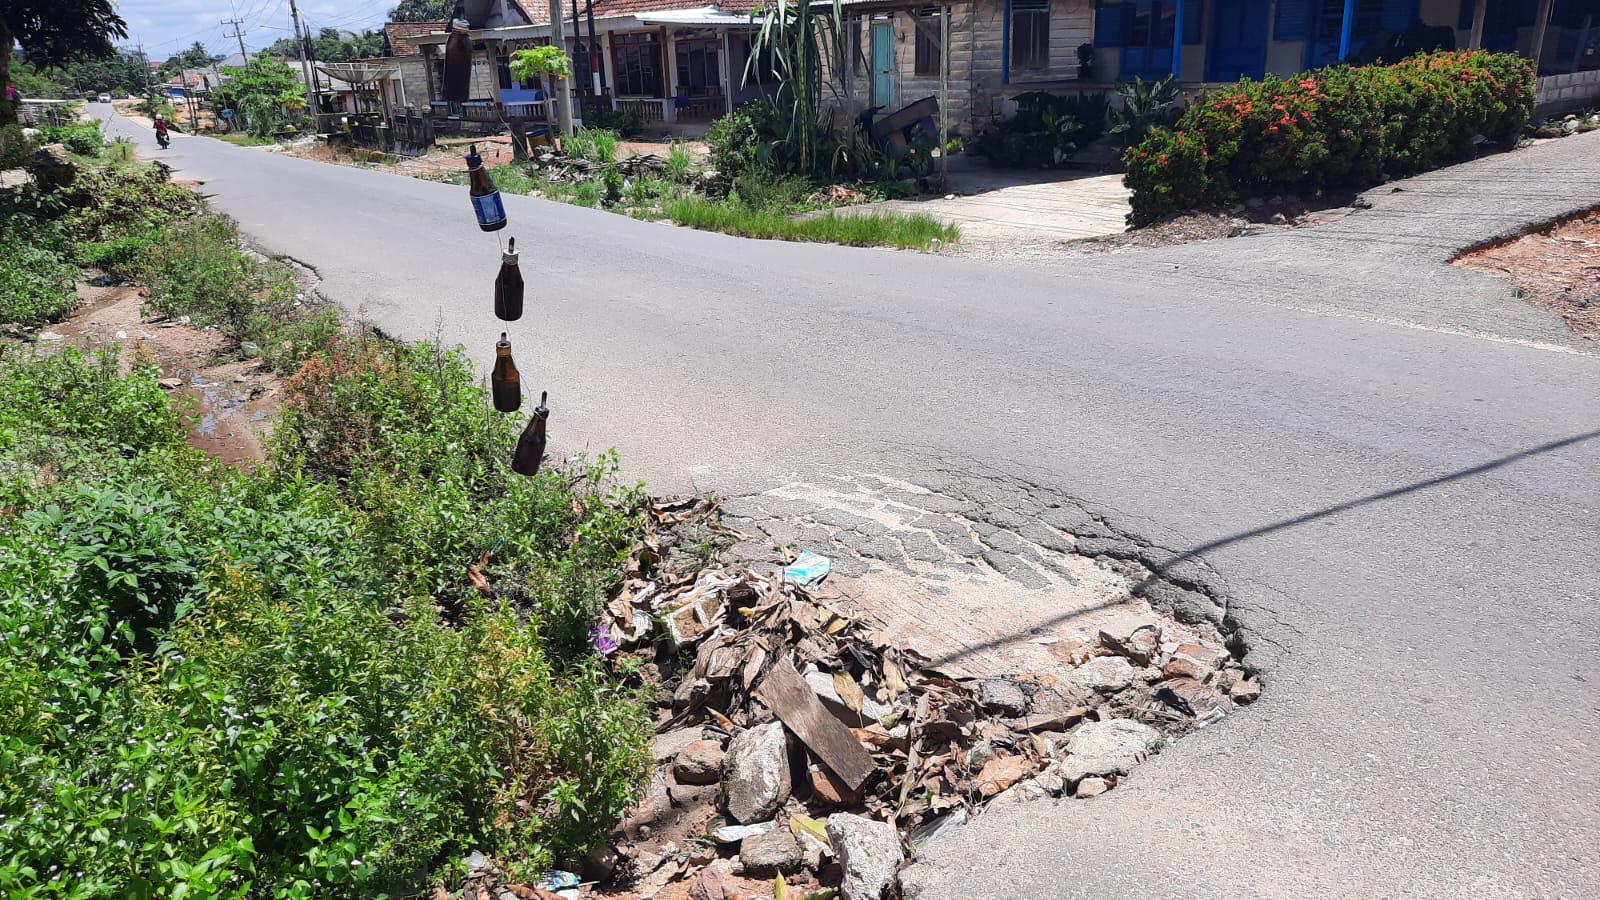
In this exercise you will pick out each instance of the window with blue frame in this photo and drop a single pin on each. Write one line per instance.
(1143, 31)
(1320, 24)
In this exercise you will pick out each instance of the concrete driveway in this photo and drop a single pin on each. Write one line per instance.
(1391, 463)
(1000, 209)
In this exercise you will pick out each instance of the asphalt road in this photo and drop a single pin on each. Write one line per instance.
(1393, 465)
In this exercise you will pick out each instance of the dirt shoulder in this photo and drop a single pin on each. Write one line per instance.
(1555, 267)
(230, 402)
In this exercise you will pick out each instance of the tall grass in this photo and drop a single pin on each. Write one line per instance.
(913, 231)
(594, 144)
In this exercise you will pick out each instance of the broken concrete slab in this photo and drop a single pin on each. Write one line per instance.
(700, 762)
(1111, 747)
(869, 852)
(772, 852)
(755, 773)
(1105, 673)
(1130, 634)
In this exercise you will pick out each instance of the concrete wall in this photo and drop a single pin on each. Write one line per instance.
(1557, 94)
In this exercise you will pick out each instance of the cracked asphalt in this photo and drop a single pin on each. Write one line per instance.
(1391, 464)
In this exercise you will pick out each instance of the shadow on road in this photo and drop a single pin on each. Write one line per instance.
(1160, 570)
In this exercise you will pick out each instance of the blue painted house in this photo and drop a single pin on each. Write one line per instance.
(1000, 48)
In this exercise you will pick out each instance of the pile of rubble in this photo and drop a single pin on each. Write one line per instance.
(807, 743)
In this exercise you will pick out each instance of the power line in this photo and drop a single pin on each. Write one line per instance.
(237, 33)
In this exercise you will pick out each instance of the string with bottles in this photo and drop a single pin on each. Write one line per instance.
(505, 382)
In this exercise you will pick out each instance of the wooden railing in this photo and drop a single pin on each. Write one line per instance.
(648, 110)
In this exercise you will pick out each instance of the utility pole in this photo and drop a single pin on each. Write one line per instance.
(563, 86)
(237, 33)
(305, 70)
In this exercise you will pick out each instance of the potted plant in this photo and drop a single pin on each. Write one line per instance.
(1085, 61)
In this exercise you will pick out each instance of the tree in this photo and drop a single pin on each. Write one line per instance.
(196, 57)
(33, 82)
(261, 90)
(422, 11)
(52, 32)
(123, 73)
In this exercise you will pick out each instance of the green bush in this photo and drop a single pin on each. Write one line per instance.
(761, 189)
(36, 287)
(1339, 126)
(16, 148)
(82, 138)
(1043, 133)
(734, 142)
(227, 684)
(108, 203)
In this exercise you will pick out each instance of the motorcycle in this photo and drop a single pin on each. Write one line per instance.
(163, 140)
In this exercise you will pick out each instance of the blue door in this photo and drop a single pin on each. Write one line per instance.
(883, 64)
(1238, 40)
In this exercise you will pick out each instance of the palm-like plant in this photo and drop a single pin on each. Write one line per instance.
(804, 42)
(1146, 105)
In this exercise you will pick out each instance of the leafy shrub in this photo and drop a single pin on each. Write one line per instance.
(296, 724)
(594, 144)
(734, 142)
(16, 148)
(196, 270)
(35, 285)
(108, 203)
(1146, 106)
(761, 189)
(680, 165)
(1042, 134)
(82, 138)
(1337, 126)
(122, 256)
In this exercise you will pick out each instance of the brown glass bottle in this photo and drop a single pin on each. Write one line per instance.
(530, 447)
(485, 196)
(508, 285)
(505, 382)
(456, 85)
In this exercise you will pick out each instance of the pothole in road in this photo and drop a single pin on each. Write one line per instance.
(1555, 267)
(980, 643)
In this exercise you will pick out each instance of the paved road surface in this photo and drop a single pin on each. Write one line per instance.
(1392, 463)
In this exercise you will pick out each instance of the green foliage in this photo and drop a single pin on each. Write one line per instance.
(760, 189)
(1043, 133)
(81, 138)
(594, 144)
(53, 31)
(680, 164)
(16, 148)
(266, 91)
(422, 11)
(611, 178)
(735, 142)
(120, 74)
(106, 204)
(121, 151)
(35, 83)
(1146, 106)
(35, 285)
(1346, 125)
(802, 41)
(546, 61)
(878, 229)
(228, 684)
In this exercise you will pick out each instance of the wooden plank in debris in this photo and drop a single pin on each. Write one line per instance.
(797, 706)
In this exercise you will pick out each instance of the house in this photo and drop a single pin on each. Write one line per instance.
(1000, 48)
(674, 64)
(412, 90)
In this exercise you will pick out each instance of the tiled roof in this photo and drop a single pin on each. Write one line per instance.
(399, 34)
(639, 7)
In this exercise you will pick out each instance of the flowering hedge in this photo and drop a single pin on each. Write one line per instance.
(1346, 125)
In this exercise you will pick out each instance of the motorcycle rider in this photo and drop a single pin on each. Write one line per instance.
(161, 130)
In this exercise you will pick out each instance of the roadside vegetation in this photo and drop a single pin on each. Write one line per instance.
(1345, 126)
(284, 682)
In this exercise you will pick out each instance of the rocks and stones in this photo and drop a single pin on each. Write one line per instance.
(733, 834)
(599, 863)
(1194, 661)
(1018, 794)
(1245, 690)
(869, 852)
(1132, 635)
(772, 852)
(1003, 697)
(715, 882)
(699, 762)
(1201, 696)
(52, 167)
(1092, 786)
(1111, 747)
(666, 746)
(755, 773)
(1105, 673)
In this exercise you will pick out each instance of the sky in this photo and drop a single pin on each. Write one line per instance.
(167, 26)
